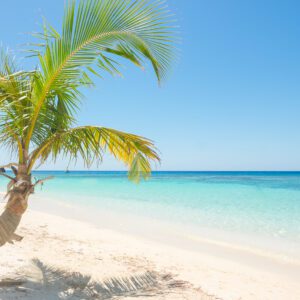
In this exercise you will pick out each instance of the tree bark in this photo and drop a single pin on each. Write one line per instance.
(17, 203)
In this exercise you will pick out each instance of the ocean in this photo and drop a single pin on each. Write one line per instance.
(263, 206)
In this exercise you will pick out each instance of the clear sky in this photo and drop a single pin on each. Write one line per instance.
(232, 102)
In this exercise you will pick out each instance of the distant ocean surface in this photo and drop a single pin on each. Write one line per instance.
(264, 204)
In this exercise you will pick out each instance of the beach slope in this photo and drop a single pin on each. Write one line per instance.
(62, 258)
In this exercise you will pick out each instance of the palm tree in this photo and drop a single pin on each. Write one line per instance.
(38, 108)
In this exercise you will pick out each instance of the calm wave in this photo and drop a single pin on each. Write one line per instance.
(261, 203)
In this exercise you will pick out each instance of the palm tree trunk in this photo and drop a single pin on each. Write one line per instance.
(16, 206)
(8, 225)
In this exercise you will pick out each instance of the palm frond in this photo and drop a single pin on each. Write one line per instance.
(94, 30)
(15, 88)
(38, 109)
(90, 143)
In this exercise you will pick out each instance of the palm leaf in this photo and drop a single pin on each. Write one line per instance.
(90, 142)
(38, 109)
(15, 88)
(130, 29)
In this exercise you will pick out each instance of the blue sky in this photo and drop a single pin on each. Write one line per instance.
(232, 102)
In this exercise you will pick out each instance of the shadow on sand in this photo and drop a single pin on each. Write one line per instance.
(57, 284)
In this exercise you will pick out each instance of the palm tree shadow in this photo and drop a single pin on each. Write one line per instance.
(59, 284)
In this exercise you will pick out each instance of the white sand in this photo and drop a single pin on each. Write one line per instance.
(62, 258)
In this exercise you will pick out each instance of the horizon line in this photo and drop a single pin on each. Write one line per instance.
(85, 170)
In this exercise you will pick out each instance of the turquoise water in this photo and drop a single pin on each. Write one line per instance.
(266, 204)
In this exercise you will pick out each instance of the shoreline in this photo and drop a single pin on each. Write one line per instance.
(179, 235)
(71, 245)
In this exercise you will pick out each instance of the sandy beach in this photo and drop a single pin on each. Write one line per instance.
(64, 258)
